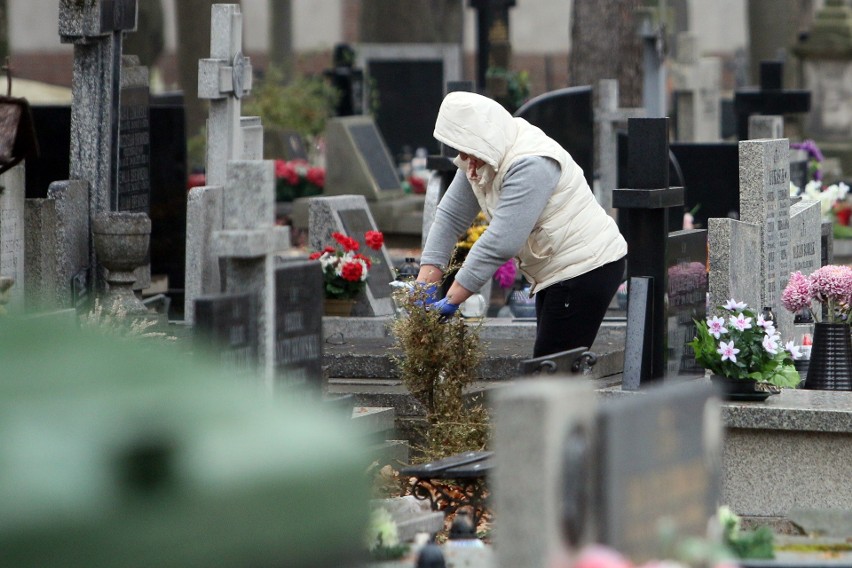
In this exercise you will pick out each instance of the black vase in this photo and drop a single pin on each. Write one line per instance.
(831, 358)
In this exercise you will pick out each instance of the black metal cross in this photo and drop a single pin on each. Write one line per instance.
(488, 12)
(770, 98)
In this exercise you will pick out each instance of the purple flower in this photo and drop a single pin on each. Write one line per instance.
(505, 275)
(770, 343)
(796, 296)
(740, 322)
(716, 326)
(795, 350)
(728, 351)
(831, 283)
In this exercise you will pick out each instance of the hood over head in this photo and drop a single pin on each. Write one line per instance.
(476, 125)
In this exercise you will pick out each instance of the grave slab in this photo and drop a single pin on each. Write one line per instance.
(12, 258)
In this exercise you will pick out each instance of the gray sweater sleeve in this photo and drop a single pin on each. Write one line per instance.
(527, 187)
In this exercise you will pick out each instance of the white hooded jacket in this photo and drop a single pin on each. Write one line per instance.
(573, 235)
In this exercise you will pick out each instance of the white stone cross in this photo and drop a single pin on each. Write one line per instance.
(607, 115)
(224, 79)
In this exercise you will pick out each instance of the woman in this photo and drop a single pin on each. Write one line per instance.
(540, 210)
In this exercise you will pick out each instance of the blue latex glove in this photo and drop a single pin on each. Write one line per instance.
(445, 308)
(421, 288)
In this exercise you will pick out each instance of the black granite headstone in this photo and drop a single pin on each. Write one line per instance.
(372, 149)
(226, 326)
(298, 326)
(567, 116)
(355, 224)
(409, 96)
(168, 176)
(134, 159)
(687, 298)
(710, 178)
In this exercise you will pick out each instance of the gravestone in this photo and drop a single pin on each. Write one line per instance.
(608, 116)
(770, 98)
(573, 469)
(697, 83)
(710, 176)
(733, 247)
(805, 237)
(57, 247)
(751, 259)
(247, 244)
(298, 326)
(687, 298)
(12, 261)
(645, 208)
(96, 30)
(223, 79)
(765, 202)
(492, 20)
(350, 215)
(226, 328)
(650, 26)
(567, 116)
(761, 126)
(358, 161)
(408, 82)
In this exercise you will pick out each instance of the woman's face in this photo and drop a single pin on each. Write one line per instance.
(472, 165)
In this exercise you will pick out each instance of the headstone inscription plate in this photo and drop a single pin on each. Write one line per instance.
(355, 224)
(376, 157)
(227, 326)
(298, 325)
(134, 165)
(687, 297)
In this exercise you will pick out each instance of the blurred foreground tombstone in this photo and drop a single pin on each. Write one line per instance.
(127, 453)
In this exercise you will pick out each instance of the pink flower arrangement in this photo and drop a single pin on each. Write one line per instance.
(830, 285)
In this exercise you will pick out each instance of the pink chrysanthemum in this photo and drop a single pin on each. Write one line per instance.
(796, 296)
(831, 283)
(505, 275)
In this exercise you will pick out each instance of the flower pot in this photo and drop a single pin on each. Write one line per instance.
(338, 307)
(739, 389)
(831, 358)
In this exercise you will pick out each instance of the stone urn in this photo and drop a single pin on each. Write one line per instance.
(121, 245)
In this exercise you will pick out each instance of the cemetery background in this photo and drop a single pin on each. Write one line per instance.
(282, 338)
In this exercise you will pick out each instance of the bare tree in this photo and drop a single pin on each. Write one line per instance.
(410, 21)
(605, 45)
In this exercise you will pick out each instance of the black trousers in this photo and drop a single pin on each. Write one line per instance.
(569, 313)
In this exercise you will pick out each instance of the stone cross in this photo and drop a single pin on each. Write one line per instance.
(247, 244)
(607, 116)
(770, 98)
(224, 79)
(696, 91)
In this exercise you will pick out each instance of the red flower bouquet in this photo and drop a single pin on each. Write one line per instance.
(344, 269)
(297, 178)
